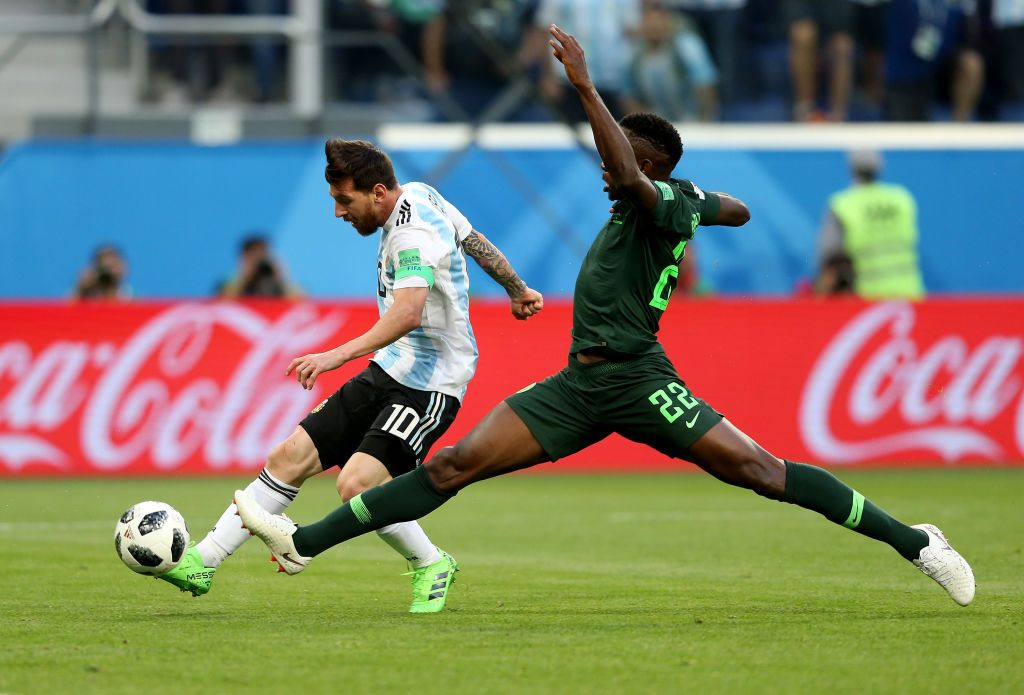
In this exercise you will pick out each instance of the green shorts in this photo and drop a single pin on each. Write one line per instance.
(642, 399)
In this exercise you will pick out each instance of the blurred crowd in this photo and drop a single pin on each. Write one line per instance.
(704, 60)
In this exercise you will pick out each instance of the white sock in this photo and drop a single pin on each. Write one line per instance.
(409, 541)
(228, 535)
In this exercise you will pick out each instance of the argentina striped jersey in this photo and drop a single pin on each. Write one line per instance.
(420, 246)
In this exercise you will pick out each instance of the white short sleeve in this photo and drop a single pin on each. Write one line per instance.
(462, 226)
(414, 255)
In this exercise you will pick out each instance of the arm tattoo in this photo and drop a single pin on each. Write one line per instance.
(493, 262)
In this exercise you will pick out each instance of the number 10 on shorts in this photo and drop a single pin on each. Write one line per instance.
(402, 421)
(669, 409)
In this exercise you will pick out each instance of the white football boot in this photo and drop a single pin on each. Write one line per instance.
(276, 530)
(939, 561)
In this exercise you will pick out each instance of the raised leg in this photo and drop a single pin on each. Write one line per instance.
(731, 456)
(499, 444)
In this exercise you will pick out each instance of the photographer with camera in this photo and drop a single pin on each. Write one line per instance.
(259, 274)
(104, 278)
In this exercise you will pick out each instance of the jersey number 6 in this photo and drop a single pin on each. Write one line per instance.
(661, 297)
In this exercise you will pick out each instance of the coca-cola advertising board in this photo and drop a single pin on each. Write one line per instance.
(194, 388)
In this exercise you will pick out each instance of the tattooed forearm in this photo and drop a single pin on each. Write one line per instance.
(493, 262)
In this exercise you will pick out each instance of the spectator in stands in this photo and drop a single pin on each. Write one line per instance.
(104, 277)
(670, 71)
(191, 70)
(719, 24)
(186, 70)
(810, 22)
(764, 79)
(266, 53)
(1008, 18)
(420, 25)
(869, 32)
(259, 273)
(481, 38)
(355, 71)
(931, 48)
(869, 237)
(374, 73)
(602, 27)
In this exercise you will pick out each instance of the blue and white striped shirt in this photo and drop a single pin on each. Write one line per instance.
(441, 354)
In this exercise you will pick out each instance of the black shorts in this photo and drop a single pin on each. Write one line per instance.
(374, 414)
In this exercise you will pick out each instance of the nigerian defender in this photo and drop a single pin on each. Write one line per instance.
(618, 378)
(384, 420)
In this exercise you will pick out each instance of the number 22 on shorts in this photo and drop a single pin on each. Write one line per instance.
(668, 408)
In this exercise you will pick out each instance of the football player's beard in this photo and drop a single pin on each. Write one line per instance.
(363, 231)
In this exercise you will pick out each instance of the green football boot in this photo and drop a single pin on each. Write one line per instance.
(430, 584)
(191, 574)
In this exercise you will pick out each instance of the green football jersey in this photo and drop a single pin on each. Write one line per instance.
(631, 268)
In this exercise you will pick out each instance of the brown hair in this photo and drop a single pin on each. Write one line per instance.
(364, 162)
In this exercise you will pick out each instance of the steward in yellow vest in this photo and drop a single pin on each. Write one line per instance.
(869, 239)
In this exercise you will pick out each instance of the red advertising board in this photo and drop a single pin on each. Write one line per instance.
(188, 388)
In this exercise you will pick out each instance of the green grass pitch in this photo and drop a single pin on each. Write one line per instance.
(578, 584)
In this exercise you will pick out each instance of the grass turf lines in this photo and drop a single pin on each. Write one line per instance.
(665, 583)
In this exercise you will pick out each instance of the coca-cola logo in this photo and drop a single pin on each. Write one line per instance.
(165, 394)
(894, 395)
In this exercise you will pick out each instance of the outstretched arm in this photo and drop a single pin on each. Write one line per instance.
(617, 156)
(621, 169)
(732, 212)
(404, 315)
(525, 302)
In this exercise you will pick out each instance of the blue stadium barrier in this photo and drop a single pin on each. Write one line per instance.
(178, 210)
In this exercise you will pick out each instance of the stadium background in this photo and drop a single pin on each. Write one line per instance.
(175, 383)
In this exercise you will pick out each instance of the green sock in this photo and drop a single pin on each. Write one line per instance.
(816, 489)
(406, 498)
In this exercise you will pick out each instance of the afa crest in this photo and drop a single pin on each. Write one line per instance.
(319, 407)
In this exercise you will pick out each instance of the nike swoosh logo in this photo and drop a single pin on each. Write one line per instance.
(289, 558)
(690, 423)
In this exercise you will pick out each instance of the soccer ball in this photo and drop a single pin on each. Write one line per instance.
(151, 538)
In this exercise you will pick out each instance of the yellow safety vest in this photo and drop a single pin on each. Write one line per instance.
(879, 223)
